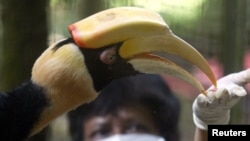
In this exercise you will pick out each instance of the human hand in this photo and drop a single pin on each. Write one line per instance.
(214, 108)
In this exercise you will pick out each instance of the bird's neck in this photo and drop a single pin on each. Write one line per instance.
(66, 81)
(62, 101)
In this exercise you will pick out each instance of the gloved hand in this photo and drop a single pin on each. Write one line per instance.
(215, 107)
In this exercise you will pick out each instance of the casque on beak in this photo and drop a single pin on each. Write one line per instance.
(142, 32)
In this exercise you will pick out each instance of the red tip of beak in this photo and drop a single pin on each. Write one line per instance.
(75, 35)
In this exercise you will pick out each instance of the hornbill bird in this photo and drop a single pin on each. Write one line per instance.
(113, 43)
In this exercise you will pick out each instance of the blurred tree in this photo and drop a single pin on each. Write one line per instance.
(234, 34)
(24, 39)
(88, 7)
(234, 44)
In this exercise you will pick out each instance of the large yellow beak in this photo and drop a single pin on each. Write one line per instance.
(141, 31)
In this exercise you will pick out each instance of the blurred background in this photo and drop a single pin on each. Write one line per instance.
(219, 29)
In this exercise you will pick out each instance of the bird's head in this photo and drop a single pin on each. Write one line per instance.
(110, 44)
(114, 43)
(127, 36)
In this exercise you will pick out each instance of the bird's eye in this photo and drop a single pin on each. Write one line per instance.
(108, 56)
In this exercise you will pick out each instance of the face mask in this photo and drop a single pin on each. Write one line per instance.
(134, 137)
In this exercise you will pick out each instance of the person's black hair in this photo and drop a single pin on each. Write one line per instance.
(145, 89)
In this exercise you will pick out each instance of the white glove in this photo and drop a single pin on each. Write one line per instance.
(215, 107)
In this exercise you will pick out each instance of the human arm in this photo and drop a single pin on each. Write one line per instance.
(200, 135)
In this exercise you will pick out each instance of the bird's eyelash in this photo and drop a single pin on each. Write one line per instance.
(62, 42)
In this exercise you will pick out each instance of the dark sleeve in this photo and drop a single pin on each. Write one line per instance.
(19, 111)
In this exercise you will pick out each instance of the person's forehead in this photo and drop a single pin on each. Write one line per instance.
(137, 113)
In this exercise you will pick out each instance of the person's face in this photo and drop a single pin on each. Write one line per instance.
(136, 119)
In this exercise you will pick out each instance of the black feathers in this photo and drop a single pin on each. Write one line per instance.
(19, 109)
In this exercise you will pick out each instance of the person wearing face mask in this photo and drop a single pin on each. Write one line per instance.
(140, 108)
(143, 108)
